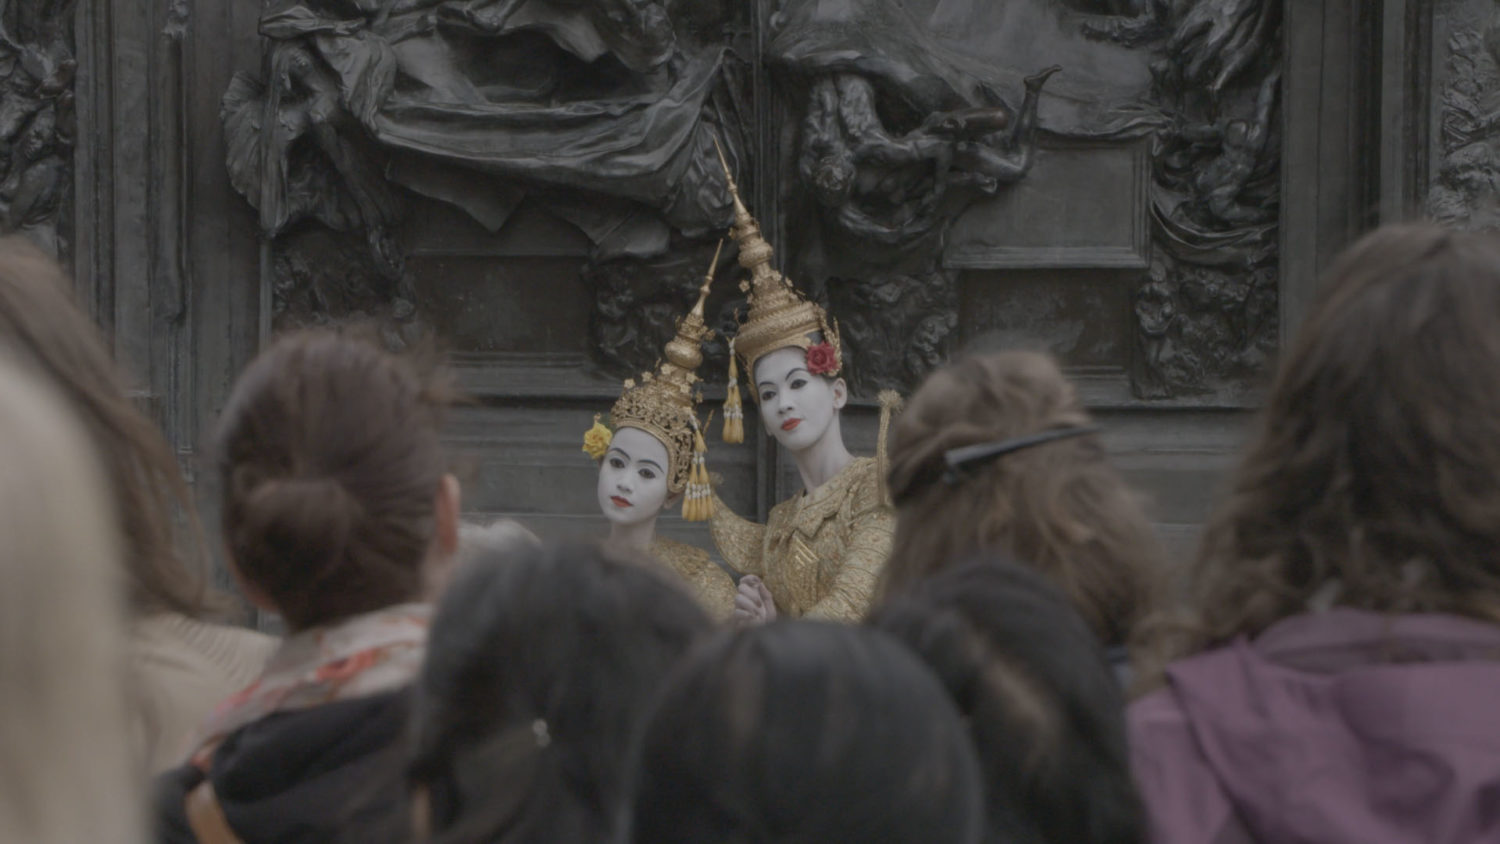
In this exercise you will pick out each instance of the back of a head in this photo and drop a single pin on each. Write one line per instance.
(541, 662)
(801, 732)
(1044, 709)
(67, 772)
(330, 463)
(1373, 479)
(1059, 506)
(44, 330)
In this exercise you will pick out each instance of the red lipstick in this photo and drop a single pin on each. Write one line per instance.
(790, 424)
(620, 502)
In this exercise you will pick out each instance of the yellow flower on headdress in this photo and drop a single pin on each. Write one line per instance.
(596, 440)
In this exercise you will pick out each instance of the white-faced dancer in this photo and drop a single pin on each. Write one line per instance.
(651, 457)
(633, 487)
(821, 552)
(801, 410)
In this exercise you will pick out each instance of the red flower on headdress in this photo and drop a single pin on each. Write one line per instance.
(822, 359)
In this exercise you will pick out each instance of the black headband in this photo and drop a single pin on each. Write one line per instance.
(959, 462)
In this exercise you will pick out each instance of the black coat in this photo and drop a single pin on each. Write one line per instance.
(298, 776)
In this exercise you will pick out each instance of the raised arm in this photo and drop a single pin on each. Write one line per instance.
(740, 541)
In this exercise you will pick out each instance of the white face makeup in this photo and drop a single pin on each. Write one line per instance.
(796, 406)
(633, 477)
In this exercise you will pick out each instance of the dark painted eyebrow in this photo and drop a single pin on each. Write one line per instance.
(789, 374)
(625, 454)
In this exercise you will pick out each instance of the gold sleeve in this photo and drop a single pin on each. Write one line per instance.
(869, 545)
(709, 583)
(740, 541)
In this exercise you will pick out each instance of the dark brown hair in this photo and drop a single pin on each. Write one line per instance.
(1045, 712)
(804, 731)
(1060, 507)
(1373, 478)
(42, 327)
(542, 662)
(330, 463)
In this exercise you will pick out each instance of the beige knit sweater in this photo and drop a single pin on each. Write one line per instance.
(182, 669)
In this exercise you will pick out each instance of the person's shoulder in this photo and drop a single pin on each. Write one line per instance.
(679, 554)
(1162, 744)
(865, 491)
(1182, 794)
(711, 584)
(183, 668)
(319, 766)
(781, 510)
(234, 655)
(322, 739)
(1158, 709)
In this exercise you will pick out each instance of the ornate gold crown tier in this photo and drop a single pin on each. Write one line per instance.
(778, 316)
(652, 410)
(794, 325)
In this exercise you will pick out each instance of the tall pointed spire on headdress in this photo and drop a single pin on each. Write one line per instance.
(685, 351)
(778, 315)
(664, 405)
(755, 252)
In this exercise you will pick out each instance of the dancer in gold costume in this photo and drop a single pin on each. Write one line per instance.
(653, 456)
(821, 552)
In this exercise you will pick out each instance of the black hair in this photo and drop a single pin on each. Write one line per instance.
(804, 731)
(1045, 710)
(540, 663)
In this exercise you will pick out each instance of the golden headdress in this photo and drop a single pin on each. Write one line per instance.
(664, 404)
(778, 317)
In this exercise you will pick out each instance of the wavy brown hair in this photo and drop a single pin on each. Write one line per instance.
(1061, 507)
(43, 329)
(1372, 479)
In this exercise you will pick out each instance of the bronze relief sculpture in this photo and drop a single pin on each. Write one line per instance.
(869, 126)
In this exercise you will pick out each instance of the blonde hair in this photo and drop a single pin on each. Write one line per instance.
(1059, 508)
(67, 771)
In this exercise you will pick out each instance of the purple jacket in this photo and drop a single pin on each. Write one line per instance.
(1344, 726)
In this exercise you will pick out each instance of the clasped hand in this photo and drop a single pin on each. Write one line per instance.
(753, 603)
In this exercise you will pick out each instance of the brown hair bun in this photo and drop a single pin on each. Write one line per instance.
(331, 463)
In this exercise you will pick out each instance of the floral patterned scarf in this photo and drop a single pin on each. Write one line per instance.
(365, 655)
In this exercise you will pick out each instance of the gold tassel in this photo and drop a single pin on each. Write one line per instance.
(890, 403)
(734, 413)
(698, 506)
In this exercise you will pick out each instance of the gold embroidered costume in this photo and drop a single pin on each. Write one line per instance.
(709, 583)
(821, 552)
(663, 405)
